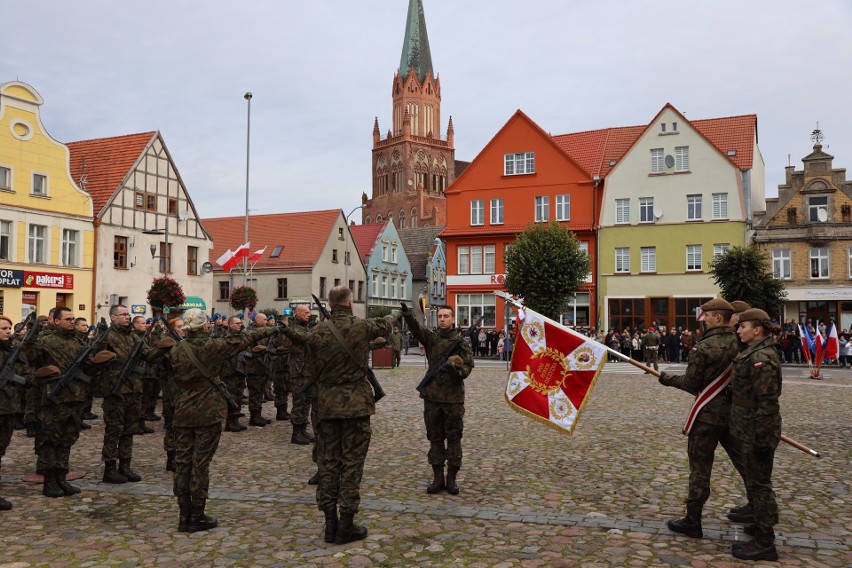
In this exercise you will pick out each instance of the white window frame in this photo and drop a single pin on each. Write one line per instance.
(519, 163)
(622, 260)
(497, 211)
(542, 208)
(375, 285)
(46, 191)
(70, 247)
(8, 170)
(646, 209)
(476, 260)
(822, 263)
(720, 206)
(385, 286)
(813, 208)
(464, 260)
(720, 249)
(7, 234)
(693, 207)
(393, 288)
(393, 255)
(563, 207)
(782, 264)
(658, 165)
(849, 251)
(681, 158)
(694, 258)
(489, 256)
(478, 304)
(622, 211)
(477, 212)
(649, 259)
(33, 244)
(384, 253)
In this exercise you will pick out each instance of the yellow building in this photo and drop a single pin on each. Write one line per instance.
(46, 231)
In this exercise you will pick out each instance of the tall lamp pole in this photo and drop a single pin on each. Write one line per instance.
(346, 254)
(247, 97)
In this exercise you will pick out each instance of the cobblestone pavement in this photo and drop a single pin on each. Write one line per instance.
(530, 496)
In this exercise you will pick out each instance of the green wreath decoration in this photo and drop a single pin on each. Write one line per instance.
(165, 292)
(243, 298)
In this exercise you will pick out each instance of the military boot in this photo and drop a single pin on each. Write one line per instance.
(452, 486)
(7, 506)
(170, 461)
(437, 484)
(257, 420)
(757, 549)
(281, 413)
(348, 531)
(233, 424)
(750, 529)
(51, 488)
(198, 521)
(331, 522)
(152, 417)
(62, 482)
(90, 415)
(111, 474)
(689, 526)
(300, 435)
(124, 469)
(742, 514)
(314, 480)
(31, 429)
(143, 428)
(185, 506)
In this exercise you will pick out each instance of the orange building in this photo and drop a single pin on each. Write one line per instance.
(522, 175)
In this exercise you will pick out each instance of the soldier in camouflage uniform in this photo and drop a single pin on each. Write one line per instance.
(279, 371)
(151, 380)
(443, 405)
(651, 343)
(32, 397)
(344, 406)
(297, 332)
(396, 345)
(256, 374)
(169, 397)
(200, 408)
(232, 378)
(81, 326)
(756, 424)
(709, 359)
(11, 397)
(59, 422)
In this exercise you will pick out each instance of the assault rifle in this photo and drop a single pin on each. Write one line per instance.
(171, 331)
(130, 365)
(75, 370)
(434, 371)
(7, 373)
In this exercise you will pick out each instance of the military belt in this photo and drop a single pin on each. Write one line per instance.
(195, 386)
(743, 402)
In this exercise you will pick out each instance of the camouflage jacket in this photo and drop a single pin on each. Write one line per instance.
(121, 341)
(198, 401)
(344, 391)
(297, 332)
(256, 363)
(650, 339)
(279, 355)
(396, 341)
(449, 387)
(707, 360)
(229, 365)
(60, 348)
(12, 397)
(755, 413)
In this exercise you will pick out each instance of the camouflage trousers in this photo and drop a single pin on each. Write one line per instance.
(150, 390)
(7, 426)
(281, 384)
(236, 385)
(652, 358)
(121, 415)
(758, 479)
(701, 449)
(194, 450)
(256, 385)
(59, 429)
(444, 427)
(32, 403)
(301, 405)
(314, 423)
(342, 447)
(168, 416)
(397, 357)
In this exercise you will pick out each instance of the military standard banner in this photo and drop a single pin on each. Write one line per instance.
(553, 371)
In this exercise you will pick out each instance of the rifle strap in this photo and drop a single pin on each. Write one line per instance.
(194, 360)
(342, 342)
(448, 351)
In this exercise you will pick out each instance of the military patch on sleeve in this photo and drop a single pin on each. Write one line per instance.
(758, 365)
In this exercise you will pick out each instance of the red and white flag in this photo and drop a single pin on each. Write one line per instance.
(255, 256)
(240, 253)
(553, 371)
(223, 260)
(806, 349)
(832, 342)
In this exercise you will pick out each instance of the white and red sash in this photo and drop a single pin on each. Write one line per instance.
(708, 394)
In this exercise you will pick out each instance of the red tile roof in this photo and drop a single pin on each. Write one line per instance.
(738, 133)
(103, 163)
(303, 236)
(365, 237)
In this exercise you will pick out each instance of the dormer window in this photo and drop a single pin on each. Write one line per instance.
(519, 164)
(815, 204)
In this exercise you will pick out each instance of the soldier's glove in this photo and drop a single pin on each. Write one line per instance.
(403, 309)
(455, 361)
(762, 451)
(665, 379)
(166, 343)
(102, 326)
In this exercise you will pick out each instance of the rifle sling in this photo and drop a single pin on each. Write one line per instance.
(195, 362)
(342, 342)
(446, 354)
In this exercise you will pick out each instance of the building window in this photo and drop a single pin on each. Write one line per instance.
(497, 211)
(720, 205)
(464, 260)
(542, 208)
(819, 262)
(340, 233)
(693, 207)
(646, 209)
(282, 289)
(477, 212)
(622, 210)
(336, 282)
(5, 178)
(850, 262)
(139, 200)
(172, 207)
(518, 164)
(693, 257)
(334, 255)
(622, 260)
(347, 259)
(476, 260)
(70, 246)
(39, 184)
(563, 207)
(489, 252)
(276, 252)
(402, 288)
(782, 264)
(192, 260)
(5, 240)
(471, 307)
(682, 158)
(657, 166)
(578, 311)
(384, 253)
(224, 290)
(360, 290)
(649, 259)
(393, 290)
(151, 204)
(352, 286)
(814, 205)
(37, 244)
(119, 252)
(393, 255)
(375, 286)
(322, 287)
(384, 286)
(720, 250)
(165, 258)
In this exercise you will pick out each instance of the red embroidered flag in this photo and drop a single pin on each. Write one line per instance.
(553, 371)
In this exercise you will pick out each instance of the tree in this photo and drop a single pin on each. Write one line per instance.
(743, 274)
(378, 311)
(547, 267)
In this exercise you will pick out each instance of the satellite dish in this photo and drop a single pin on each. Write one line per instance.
(670, 162)
(822, 215)
(183, 215)
(207, 268)
(658, 212)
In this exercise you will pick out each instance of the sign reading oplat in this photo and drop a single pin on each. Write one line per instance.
(11, 278)
(48, 280)
(138, 309)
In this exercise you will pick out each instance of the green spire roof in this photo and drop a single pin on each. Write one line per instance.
(415, 48)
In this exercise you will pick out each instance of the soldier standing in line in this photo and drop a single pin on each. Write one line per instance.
(59, 421)
(138, 328)
(279, 370)
(256, 374)
(298, 332)
(707, 374)
(169, 398)
(346, 400)
(756, 423)
(200, 408)
(12, 396)
(396, 344)
(150, 382)
(81, 326)
(651, 343)
(443, 405)
(234, 379)
(33, 394)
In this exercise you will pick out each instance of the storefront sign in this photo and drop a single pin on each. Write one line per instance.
(11, 278)
(192, 302)
(48, 280)
(138, 309)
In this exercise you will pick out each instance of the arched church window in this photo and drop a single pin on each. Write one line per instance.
(414, 217)
(379, 218)
(367, 220)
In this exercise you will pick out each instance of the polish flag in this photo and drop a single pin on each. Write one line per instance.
(240, 253)
(257, 254)
(832, 342)
(805, 337)
(225, 258)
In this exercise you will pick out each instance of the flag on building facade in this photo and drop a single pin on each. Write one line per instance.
(240, 253)
(553, 371)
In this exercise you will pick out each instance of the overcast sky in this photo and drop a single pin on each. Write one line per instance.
(321, 70)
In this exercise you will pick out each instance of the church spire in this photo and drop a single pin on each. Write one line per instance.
(415, 48)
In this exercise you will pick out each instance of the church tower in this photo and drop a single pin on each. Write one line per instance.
(413, 164)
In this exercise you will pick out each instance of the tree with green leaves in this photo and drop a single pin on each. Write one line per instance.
(546, 266)
(743, 274)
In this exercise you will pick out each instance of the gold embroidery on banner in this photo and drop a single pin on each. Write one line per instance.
(551, 371)
(533, 332)
(559, 409)
(584, 358)
(516, 385)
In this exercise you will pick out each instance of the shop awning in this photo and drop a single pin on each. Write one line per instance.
(192, 302)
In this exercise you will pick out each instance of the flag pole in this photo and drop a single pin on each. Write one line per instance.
(519, 304)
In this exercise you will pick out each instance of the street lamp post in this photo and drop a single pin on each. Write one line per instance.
(346, 241)
(247, 97)
(165, 257)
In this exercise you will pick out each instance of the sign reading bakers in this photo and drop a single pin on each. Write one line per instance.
(48, 280)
